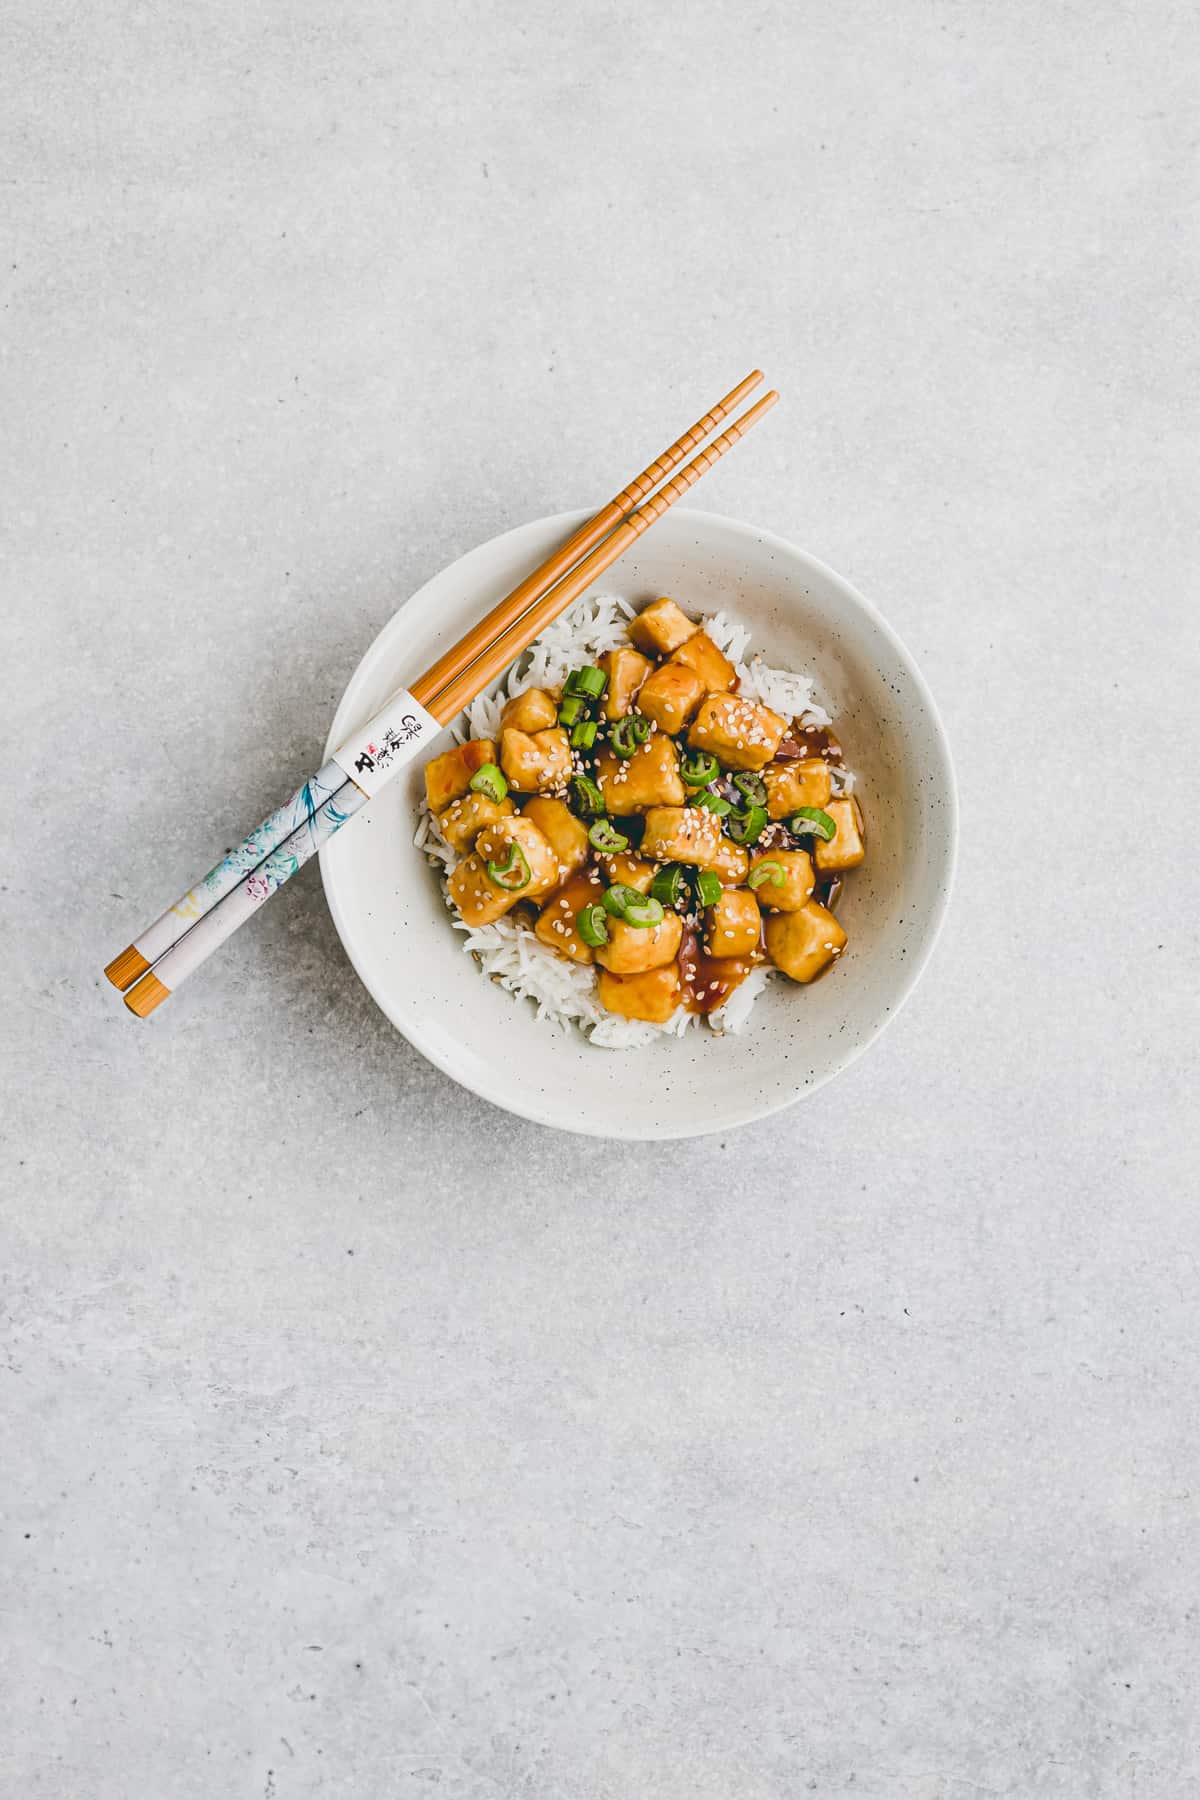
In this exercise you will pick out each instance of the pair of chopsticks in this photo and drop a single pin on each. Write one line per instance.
(184, 936)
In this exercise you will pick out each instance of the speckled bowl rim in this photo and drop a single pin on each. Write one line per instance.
(561, 524)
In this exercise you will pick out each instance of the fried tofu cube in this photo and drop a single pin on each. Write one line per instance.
(733, 926)
(793, 891)
(466, 817)
(805, 942)
(632, 948)
(626, 671)
(557, 923)
(537, 760)
(731, 865)
(566, 835)
(794, 784)
(534, 710)
(740, 733)
(624, 870)
(478, 899)
(449, 775)
(650, 777)
(846, 849)
(710, 665)
(670, 696)
(689, 834)
(653, 996)
(495, 842)
(661, 627)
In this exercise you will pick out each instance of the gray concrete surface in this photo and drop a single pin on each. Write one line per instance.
(360, 1440)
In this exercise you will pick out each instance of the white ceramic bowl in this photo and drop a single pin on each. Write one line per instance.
(391, 918)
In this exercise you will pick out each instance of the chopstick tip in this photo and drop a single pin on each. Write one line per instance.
(124, 970)
(149, 993)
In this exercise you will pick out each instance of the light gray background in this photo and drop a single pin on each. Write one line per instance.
(359, 1439)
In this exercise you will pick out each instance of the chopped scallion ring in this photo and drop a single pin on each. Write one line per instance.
(670, 885)
(629, 733)
(713, 803)
(592, 925)
(584, 734)
(699, 768)
(589, 682)
(810, 820)
(586, 798)
(747, 826)
(708, 887)
(571, 710)
(765, 872)
(488, 780)
(605, 837)
(752, 788)
(513, 873)
(625, 902)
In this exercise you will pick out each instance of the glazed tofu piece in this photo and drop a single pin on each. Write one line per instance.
(689, 834)
(711, 666)
(628, 871)
(478, 899)
(741, 734)
(670, 696)
(495, 843)
(557, 921)
(650, 777)
(794, 890)
(653, 996)
(466, 817)
(661, 628)
(732, 927)
(846, 849)
(633, 948)
(534, 710)
(566, 835)
(537, 760)
(731, 865)
(794, 784)
(449, 774)
(805, 942)
(626, 671)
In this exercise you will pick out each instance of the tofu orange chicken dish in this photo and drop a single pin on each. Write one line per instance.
(635, 834)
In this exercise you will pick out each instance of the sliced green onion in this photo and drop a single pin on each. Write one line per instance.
(747, 826)
(589, 682)
(752, 788)
(699, 768)
(584, 734)
(586, 798)
(713, 803)
(625, 902)
(592, 925)
(513, 873)
(646, 912)
(605, 837)
(488, 780)
(670, 886)
(765, 872)
(810, 819)
(708, 887)
(571, 710)
(629, 733)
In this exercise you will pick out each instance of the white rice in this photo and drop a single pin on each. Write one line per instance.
(563, 993)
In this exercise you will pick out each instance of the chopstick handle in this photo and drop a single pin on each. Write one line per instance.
(224, 876)
(357, 769)
(221, 921)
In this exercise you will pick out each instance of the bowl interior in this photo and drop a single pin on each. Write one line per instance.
(391, 918)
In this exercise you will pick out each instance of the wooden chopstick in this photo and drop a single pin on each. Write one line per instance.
(506, 613)
(492, 658)
(389, 740)
(301, 807)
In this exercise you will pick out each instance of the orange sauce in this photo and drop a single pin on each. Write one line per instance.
(707, 981)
